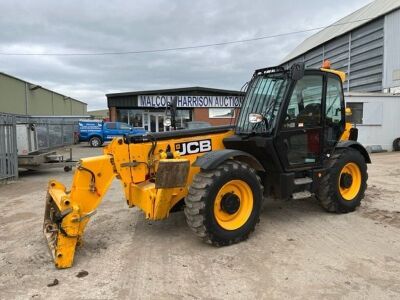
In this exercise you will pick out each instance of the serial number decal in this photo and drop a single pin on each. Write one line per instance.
(193, 147)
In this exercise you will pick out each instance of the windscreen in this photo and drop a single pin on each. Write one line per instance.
(264, 96)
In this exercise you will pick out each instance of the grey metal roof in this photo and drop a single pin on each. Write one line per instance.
(365, 14)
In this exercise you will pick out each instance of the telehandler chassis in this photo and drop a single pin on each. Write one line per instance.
(286, 143)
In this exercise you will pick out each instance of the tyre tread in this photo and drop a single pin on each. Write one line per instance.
(326, 192)
(197, 197)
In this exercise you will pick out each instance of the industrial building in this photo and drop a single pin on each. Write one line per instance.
(146, 109)
(365, 45)
(20, 97)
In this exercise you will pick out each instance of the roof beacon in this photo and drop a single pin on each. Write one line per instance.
(326, 64)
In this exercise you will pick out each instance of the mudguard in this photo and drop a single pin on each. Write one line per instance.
(357, 146)
(213, 159)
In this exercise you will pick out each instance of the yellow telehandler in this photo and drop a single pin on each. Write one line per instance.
(286, 143)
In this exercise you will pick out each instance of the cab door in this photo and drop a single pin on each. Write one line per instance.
(299, 141)
(335, 120)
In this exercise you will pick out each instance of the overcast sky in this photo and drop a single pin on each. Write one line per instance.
(107, 26)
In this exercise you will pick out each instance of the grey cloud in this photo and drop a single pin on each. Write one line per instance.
(102, 26)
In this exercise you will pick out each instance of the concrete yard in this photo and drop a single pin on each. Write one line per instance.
(297, 251)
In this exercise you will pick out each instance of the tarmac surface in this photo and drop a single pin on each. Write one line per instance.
(298, 251)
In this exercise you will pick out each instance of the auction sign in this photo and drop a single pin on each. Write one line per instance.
(190, 101)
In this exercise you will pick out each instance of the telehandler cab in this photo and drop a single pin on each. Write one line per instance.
(286, 144)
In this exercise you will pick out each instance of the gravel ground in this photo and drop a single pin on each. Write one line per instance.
(297, 250)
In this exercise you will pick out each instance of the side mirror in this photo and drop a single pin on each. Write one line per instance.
(256, 118)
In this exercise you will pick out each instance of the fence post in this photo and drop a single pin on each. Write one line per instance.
(8, 148)
(15, 147)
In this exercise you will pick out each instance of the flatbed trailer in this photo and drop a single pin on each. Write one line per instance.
(44, 159)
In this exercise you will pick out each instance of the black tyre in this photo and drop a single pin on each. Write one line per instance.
(223, 205)
(343, 186)
(67, 168)
(396, 144)
(95, 141)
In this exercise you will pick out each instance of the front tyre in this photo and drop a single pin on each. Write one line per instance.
(223, 205)
(343, 186)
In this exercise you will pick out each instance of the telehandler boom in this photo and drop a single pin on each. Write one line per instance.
(286, 144)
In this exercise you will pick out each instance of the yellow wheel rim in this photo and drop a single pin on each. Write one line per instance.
(233, 204)
(350, 181)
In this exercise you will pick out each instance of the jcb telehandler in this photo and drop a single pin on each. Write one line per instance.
(286, 144)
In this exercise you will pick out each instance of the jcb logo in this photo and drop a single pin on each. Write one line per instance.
(193, 147)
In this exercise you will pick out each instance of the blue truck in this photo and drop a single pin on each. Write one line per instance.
(98, 132)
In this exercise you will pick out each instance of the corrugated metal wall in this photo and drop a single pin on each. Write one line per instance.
(391, 76)
(359, 53)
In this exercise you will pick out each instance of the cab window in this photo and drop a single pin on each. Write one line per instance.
(333, 108)
(111, 126)
(125, 126)
(304, 108)
(334, 120)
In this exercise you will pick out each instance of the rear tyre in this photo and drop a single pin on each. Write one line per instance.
(223, 205)
(95, 142)
(396, 144)
(343, 186)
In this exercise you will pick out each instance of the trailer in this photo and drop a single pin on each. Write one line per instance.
(39, 139)
(40, 160)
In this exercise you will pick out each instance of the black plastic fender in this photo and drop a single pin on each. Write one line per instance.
(213, 159)
(357, 146)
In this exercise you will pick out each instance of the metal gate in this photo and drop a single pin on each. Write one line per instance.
(8, 148)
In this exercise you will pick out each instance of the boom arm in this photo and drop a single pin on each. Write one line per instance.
(67, 212)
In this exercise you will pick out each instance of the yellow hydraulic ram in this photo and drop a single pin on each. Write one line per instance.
(154, 176)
